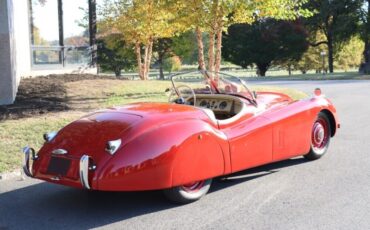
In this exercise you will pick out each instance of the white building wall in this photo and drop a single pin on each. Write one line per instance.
(8, 85)
(22, 38)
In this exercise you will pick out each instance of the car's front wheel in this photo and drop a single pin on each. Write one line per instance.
(320, 137)
(188, 192)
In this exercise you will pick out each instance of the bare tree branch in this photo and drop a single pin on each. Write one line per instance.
(318, 43)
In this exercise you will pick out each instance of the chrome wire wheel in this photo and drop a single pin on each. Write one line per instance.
(193, 187)
(320, 137)
(189, 192)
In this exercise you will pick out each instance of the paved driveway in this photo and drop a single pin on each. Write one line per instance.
(331, 193)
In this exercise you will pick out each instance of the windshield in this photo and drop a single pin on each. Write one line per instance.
(204, 82)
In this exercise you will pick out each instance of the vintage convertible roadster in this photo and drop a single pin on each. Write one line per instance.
(213, 125)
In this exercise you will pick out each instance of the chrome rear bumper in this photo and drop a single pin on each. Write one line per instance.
(26, 160)
(84, 171)
(86, 165)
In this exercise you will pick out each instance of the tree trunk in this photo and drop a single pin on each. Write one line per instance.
(160, 62)
(289, 69)
(117, 71)
(330, 52)
(161, 74)
(211, 52)
(92, 31)
(146, 52)
(365, 67)
(148, 58)
(262, 69)
(61, 31)
(201, 62)
(218, 48)
(367, 52)
(138, 59)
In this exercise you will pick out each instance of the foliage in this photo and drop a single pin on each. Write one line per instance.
(350, 55)
(172, 64)
(162, 49)
(264, 42)
(347, 56)
(141, 22)
(185, 46)
(216, 16)
(365, 36)
(336, 19)
(312, 59)
(114, 54)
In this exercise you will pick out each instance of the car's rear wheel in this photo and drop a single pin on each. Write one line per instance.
(188, 192)
(320, 137)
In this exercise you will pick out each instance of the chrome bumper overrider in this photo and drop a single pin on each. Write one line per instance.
(26, 161)
(84, 171)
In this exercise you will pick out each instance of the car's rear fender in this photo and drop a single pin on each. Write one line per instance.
(168, 155)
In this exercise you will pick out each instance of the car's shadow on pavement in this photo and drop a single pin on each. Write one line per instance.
(47, 206)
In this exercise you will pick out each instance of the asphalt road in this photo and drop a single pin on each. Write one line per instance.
(331, 193)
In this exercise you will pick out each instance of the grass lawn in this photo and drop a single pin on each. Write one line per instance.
(81, 97)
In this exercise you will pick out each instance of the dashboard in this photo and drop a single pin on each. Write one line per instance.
(223, 105)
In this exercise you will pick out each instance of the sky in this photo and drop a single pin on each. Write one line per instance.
(46, 18)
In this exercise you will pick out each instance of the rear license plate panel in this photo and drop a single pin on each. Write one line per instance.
(58, 166)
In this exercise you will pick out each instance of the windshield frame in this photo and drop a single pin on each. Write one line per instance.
(252, 96)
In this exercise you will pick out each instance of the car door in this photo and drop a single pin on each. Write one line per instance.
(250, 140)
(291, 125)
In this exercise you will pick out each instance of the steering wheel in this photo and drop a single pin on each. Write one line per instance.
(179, 97)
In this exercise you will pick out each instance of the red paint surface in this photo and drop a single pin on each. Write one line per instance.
(166, 145)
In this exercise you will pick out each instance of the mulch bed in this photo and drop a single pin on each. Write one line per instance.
(40, 95)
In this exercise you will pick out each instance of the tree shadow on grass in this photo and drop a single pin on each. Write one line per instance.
(44, 205)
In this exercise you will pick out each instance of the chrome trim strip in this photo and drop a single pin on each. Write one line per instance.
(60, 152)
(84, 171)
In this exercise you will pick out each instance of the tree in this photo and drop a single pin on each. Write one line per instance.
(337, 20)
(214, 17)
(172, 64)
(264, 42)
(114, 54)
(312, 59)
(185, 46)
(365, 36)
(141, 22)
(350, 54)
(162, 47)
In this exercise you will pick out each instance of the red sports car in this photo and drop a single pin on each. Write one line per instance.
(213, 125)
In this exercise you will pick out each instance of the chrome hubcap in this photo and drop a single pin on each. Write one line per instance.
(319, 133)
